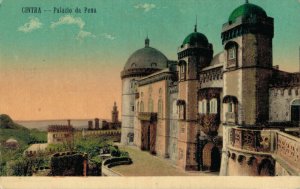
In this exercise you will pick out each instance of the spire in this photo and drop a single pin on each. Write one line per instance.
(195, 30)
(147, 41)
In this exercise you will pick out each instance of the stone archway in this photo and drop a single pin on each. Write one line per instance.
(266, 168)
(148, 131)
(211, 157)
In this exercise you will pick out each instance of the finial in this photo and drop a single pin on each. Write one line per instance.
(196, 25)
(147, 41)
(247, 2)
(115, 103)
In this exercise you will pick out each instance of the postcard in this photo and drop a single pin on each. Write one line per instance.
(149, 94)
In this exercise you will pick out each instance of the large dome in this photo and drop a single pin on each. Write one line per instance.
(247, 10)
(146, 57)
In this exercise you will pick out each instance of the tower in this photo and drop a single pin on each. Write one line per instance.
(194, 54)
(141, 63)
(247, 39)
(115, 114)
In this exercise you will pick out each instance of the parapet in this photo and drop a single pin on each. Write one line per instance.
(60, 128)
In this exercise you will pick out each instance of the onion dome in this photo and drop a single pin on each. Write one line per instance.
(247, 10)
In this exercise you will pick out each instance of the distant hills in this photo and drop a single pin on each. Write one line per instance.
(7, 123)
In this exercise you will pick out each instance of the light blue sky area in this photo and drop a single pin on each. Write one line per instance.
(119, 27)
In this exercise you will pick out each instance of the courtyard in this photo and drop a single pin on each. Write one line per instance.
(145, 164)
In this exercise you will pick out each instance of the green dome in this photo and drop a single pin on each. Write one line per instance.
(246, 10)
(196, 38)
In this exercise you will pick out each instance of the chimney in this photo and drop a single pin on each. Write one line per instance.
(96, 123)
(69, 122)
(90, 125)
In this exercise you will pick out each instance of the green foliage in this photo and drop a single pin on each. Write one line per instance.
(124, 154)
(11, 159)
(25, 166)
(114, 151)
(37, 136)
(91, 145)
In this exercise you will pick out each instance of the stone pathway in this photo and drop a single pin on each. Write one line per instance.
(145, 164)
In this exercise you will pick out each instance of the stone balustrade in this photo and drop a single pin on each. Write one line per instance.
(282, 146)
(288, 149)
(252, 140)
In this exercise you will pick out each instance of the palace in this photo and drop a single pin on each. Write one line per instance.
(232, 112)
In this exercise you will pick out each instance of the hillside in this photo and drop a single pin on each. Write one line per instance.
(7, 123)
(9, 129)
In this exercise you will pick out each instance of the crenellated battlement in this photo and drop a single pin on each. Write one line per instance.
(60, 128)
(285, 80)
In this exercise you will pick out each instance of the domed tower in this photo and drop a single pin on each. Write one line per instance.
(194, 54)
(141, 63)
(247, 39)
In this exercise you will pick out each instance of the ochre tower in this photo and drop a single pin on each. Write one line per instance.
(194, 54)
(115, 114)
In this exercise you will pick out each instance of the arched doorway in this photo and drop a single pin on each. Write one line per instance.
(216, 159)
(211, 157)
(295, 111)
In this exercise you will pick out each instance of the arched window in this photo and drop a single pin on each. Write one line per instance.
(213, 106)
(142, 106)
(202, 106)
(150, 105)
(137, 106)
(133, 65)
(160, 108)
(295, 110)
(181, 108)
(182, 69)
(133, 84)
(232, 51)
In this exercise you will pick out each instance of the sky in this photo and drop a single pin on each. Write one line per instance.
(56, 65)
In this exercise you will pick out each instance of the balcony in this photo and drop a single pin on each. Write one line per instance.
(251, 140)
(147, 116)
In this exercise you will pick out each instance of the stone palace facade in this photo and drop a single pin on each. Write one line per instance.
(232, 112)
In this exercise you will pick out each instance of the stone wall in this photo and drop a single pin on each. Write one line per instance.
(173, 128)
(150, 95)
(280, 100)
(128, 97)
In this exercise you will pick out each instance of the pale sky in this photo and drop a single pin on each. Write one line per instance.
(61, 65)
